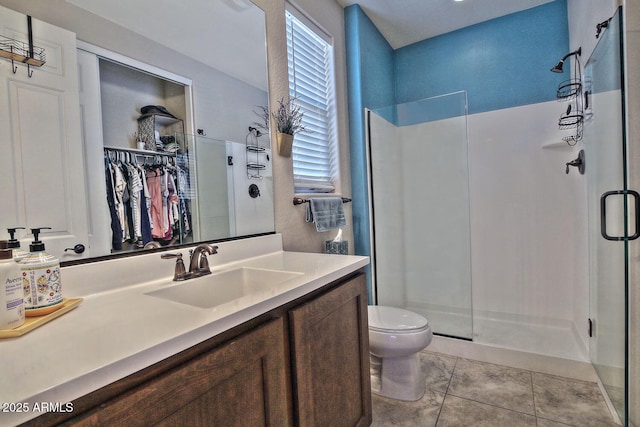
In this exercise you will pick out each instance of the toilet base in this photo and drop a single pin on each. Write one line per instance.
(397, 377)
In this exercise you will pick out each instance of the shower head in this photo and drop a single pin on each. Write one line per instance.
(558, 67)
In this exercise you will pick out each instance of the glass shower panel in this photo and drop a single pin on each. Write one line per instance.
(212, 188)
(420, 197)
(604, 146)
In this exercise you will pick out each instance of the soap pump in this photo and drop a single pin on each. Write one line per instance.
(40, 278)
(14, 244)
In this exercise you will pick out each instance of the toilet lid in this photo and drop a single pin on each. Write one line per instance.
(392, 319)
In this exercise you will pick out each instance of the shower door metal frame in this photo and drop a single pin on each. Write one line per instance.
(598, 237)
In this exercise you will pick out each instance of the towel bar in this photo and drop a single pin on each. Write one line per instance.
(299, 201)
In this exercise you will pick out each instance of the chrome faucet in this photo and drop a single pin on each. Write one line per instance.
(199, 265)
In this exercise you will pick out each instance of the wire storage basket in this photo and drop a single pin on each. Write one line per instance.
(569, 89)
(21, 52)
(570, 121)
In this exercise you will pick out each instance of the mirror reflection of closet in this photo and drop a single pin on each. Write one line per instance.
(113, 95)
(208, 69)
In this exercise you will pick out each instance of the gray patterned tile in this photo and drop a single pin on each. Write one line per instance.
(438, 369)
(457, 412)
(391, 412)
(548, 423)
(501, 386)
(462, 392)
(616, 396)
(569, 401)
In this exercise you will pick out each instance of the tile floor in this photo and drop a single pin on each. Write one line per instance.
(463, 393)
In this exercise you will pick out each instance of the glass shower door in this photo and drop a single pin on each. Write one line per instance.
(610, 206)
(420, 207)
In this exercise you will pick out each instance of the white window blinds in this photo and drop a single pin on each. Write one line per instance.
(311, 84)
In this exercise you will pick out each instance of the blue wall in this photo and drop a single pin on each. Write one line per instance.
(501, 63)
(370, 80)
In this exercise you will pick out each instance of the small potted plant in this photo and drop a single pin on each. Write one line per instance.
(288, 120)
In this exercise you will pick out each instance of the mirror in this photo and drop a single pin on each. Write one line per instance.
(207, 68)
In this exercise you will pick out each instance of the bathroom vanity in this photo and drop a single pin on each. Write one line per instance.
(292, 353)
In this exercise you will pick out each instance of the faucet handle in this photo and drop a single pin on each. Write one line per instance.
(204, 262)
(180, 272)
(168, 255)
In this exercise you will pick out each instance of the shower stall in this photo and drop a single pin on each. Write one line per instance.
(548, 277)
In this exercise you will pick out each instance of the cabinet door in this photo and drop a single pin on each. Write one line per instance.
(331, 358)
(41, 155)
(242, 383)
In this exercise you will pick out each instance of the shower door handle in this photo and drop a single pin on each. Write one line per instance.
(603, 214)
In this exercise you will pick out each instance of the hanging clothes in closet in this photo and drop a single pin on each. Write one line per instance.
(142, 199)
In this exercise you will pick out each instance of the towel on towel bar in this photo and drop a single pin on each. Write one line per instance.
(326, 213)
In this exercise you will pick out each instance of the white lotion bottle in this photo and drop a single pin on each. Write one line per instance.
(11, 293)
(41, 279)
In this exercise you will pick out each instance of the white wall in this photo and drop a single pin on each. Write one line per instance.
(584, 15)
(522, 213)
(212, 89)
(298, 235)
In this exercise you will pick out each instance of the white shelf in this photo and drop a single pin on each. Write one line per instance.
(558, 145)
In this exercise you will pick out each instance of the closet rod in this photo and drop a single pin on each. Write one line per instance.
(299, 201)
(141, 152)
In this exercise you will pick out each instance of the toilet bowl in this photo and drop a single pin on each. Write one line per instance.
(395, 338)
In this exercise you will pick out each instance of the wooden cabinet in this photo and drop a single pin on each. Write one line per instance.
(330, 347)
(305, 363)
(241, 383)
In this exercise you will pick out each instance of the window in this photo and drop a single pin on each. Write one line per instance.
(310, 56)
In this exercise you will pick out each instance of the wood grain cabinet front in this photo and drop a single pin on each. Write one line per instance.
(241, 383)
(330, 347)
(305, 363)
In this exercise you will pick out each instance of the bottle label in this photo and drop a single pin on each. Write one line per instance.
(12, 310)
(41, 286)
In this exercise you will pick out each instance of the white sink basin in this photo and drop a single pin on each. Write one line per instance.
(220, 288)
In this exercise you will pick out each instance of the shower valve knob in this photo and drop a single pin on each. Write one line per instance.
(577, 162)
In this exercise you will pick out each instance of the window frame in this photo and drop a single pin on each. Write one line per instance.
(331, 184)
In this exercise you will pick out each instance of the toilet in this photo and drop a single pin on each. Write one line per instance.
(395, 338)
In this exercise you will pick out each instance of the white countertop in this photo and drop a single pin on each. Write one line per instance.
(116, 332)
